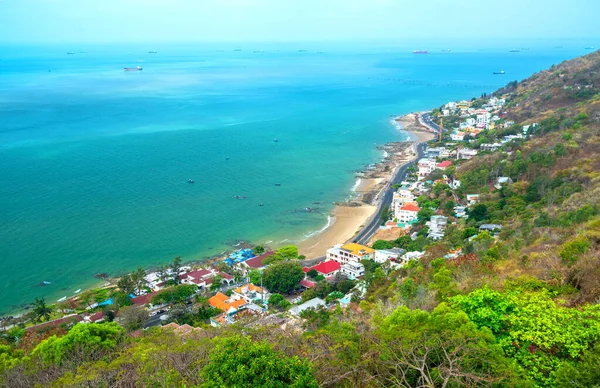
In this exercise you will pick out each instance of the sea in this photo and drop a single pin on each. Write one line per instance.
(96, 162)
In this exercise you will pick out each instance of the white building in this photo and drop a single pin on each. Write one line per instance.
(483, 119)
(457, 136)
(437, 225)
(351, 252)
(465, 153)
(408, 212)
(472, 199)
(490, 147)
(353, 270)
(426, 166)
(383, 255)
(502, 181)
(408, 256)
(314, 303)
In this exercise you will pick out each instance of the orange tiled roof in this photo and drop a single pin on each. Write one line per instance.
(251, 287)
(220, 301)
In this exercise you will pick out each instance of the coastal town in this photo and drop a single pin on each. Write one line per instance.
(255, 285)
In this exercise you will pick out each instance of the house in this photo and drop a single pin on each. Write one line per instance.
(460, 211)
(502, 181)
(492, 228)
(143, 300)
(408, 212)
(437, 225)
(249, 292)
(426, 166)
(314, 303)
(353, 270)
(408, 256)
(472, 199)
(465, 153)
(403, 195)
(457, 136)
(351, 252)
(455, 184)
(435, 152)
(307, 284)
(255, 262)
(327, 268)
(490, 147)
(383, 255)
(445, 164)
(227, 304)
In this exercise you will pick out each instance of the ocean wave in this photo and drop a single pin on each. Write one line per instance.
(330, 221)
(356, 185)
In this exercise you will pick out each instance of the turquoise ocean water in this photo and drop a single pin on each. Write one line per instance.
(95, 161)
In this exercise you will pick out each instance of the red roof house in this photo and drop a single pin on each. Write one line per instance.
(410, 208)
(326, 268)
(444, 164)
(257, 262)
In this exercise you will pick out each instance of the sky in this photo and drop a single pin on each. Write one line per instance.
(108, 21)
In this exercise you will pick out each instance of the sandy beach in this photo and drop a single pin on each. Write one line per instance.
(347, 218)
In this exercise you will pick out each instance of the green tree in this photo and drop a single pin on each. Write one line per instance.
(312, 273)
(487, 308)
(133, 318)
(174, 295)
(288, 252)
(126, 284)
(282, 277)
(424, 214)
(254, 276)
(469, 232)
(217, 282)
(449, 208)
(82, 341)
(571, 250)
(440, 349)
(581, 374)
(176, 268)
(478, 213)
(41, 309)
(278, 301)
(383, 244)
(237, 362)
(258, 250)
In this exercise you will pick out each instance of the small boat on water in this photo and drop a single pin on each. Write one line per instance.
(152, 52)
(62, 299)
(589, 48)
(70, 53)
(499, 72)
(139, 68)
(421, 52)
(45, 283)
(191, 181)
(514, 51)
(277, 184)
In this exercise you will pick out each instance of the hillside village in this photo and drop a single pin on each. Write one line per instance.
(496, 210)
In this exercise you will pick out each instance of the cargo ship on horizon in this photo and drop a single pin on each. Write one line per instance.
(139, 68)
(421, 52)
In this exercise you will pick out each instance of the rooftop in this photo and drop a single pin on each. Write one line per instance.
(325, 267)
(357, 249)
(257, 262)
(222, 302)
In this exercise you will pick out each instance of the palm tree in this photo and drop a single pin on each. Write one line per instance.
(41, 309)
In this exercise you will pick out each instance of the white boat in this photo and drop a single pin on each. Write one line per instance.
(62, 299)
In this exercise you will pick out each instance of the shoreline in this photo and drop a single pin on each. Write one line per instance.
(344, 221)
(347, 218)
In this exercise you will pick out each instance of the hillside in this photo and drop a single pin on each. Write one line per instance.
(508, 296)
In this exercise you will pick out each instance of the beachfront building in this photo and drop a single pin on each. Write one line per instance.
(426, 167)
(327, 268)
(353, 270)
(351, 252)
(408, 213)
(254, 263)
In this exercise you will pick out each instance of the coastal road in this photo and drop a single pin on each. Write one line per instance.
(426, 120)
(386, 200)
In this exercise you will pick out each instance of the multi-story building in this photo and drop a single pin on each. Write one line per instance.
(408, 212)
(351, 252)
